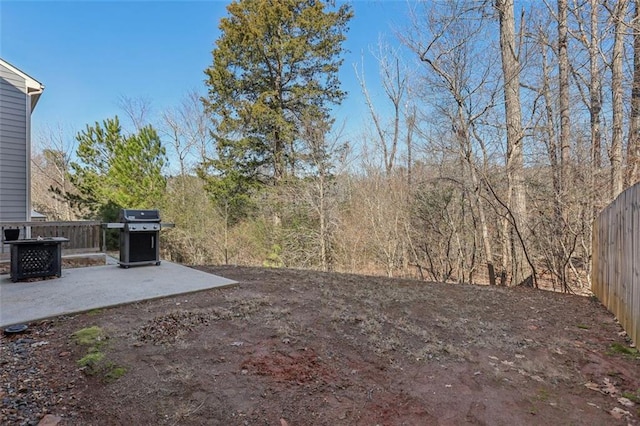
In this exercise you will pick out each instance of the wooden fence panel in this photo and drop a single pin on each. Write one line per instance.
(615, 274)
(84, 236)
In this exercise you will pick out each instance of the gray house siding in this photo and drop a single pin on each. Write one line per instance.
(15, 111)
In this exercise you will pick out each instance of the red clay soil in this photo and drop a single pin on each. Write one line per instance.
(289, 347)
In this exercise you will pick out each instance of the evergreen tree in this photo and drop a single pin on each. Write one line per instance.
(275, 62)
(116, 171)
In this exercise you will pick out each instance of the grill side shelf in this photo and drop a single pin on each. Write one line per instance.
(116, 225)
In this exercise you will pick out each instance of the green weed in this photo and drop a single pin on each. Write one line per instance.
(619, 348)
(632, 396)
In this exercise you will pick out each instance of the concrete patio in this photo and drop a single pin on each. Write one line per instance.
(83, 289)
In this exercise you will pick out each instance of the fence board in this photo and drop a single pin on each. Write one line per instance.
(615, 273)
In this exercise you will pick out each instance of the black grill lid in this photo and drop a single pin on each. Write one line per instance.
(131, 215)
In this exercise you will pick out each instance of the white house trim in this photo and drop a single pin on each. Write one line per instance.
(32, 86)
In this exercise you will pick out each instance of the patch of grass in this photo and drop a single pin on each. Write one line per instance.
(543, 394)
(95, 312)
(90, 336)
(632, 396)
(619, 348)
(114, 372)
(583, 327)
(91, 360)
(94, 361)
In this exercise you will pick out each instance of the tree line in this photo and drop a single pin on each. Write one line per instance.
(498, 132)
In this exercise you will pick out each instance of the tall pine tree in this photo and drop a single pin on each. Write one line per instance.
(275, 62)
(116, 171)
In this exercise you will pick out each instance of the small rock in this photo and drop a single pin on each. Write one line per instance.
(50, 420)
(64, 354)
(626, 402)
(619, 413)
(592, 386)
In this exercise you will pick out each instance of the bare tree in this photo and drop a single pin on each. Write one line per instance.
(633, 146)
(394, 79)
(50, 174)
(322, 151)
(615, 155)
(186, 127)
(563, 88)
(513, 118)
(595, 104)
(137, 110)
(464, 91)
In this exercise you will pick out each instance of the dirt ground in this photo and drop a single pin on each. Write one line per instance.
(289, 347)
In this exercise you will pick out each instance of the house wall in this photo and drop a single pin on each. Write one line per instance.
(15, 113)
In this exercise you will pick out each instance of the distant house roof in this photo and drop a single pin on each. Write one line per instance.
(34, 87)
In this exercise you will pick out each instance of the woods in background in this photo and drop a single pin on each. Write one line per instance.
(501, 130)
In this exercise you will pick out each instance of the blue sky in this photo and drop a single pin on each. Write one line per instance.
(88, 54)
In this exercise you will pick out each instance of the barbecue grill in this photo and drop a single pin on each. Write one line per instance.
(139, 237)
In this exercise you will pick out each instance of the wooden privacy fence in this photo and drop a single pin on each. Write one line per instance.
(84, 236)
(615, 278)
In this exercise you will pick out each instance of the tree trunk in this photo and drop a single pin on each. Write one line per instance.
(594, 90)
(323, 223)
(563, 87)
(615, 155)
(555, 244)
(633, 147)
(513, 118)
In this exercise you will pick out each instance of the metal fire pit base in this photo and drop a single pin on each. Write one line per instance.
(35, 258)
